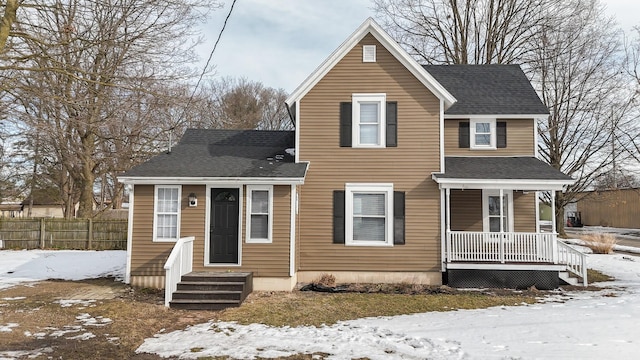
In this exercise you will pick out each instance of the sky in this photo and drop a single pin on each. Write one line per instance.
(564, 325)
(280, 42)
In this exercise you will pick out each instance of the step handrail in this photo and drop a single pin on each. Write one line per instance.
(179, 262)
(574, 260)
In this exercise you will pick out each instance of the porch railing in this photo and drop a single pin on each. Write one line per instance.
(575, 261)
(501, 247)
(179, 262)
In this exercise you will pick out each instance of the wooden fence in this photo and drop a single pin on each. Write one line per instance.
(615, 208)
(89, 234)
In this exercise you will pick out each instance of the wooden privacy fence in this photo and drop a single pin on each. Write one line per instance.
(89, 234)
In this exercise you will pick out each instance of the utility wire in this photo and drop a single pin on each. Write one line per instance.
(204, 70)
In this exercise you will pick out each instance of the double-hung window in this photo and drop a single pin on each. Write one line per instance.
(259, 214)
(369, 214)
(483, 134)
(166, 213)
(369, 120)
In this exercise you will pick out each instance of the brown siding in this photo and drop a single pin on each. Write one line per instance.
(520, 140)
(148, 258)
(615, 208)
(466, 210)
(408, 166)
(524, 211)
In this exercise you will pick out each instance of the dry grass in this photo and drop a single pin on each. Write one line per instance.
(595, 276)
(326, 280)
(315, 309)
(600, 243)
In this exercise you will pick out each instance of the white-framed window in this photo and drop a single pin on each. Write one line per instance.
(368, 53)
(259, 213)
(166, 212)
(493, 214)
(369, 214)
(369, 120)
(482, 134)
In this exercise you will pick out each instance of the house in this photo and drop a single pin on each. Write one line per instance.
(11, 210)
(395, 172)
(43, 203)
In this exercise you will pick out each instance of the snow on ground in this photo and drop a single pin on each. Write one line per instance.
(35, 265)
(585, 325)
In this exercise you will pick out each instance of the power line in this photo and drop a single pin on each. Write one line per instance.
(204, 70)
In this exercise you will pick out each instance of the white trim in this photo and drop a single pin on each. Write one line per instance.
(370, 26)
(381, 100)
(297, 135)
(537, 212)
(510, 266)
(150, 180)
(369, 188)
(485, 209)
(492, 133)
(442, 157)
(373, 57)
(292, 230)
(207, 235)
(495, 116)
(155, 212)
(249, 213)
(524, 184)
(444, 221)
(127, 274)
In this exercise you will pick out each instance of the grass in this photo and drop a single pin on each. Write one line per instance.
(595, 276)
(315, 309)
(600, 243)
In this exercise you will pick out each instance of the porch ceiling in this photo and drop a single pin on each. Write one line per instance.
(518, 173)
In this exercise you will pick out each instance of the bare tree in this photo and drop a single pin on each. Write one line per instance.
(83, 63)
(7, 20)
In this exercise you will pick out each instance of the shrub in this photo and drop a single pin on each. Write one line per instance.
(600, 243)
(327, 280)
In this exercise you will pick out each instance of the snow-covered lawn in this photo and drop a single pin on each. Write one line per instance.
(580, 325)
(34, 265)
(584, 325)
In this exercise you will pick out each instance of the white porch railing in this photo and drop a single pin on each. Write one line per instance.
(575, 260)
(501, 247)
(179, 262)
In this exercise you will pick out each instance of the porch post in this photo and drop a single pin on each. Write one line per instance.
(444, 228)
(501, 225)
(554, 235)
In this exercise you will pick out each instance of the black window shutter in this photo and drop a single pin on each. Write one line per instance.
(345, 124)
(338, 216)
(501, 134)
(392, 124)
(398, 217)
(463, 134)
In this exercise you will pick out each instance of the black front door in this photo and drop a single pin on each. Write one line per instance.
(223, 232)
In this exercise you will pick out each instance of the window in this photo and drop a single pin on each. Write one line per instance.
(369, 214)
(259, 214)
(368, 53)
(166, 213)
(369, 115)
(492, 212)
(483, 134)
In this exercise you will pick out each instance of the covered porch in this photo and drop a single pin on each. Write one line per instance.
(490, 218)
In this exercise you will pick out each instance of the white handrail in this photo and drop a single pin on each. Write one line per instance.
(179, 262)
(574, 260)
(500, 247)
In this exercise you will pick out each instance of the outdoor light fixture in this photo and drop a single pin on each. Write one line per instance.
(193, 200)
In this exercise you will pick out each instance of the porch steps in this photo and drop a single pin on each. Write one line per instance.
(568, 278)
(212, 290)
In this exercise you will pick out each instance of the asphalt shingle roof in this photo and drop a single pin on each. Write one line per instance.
(488, 89)
(493, 167)
(226, 153)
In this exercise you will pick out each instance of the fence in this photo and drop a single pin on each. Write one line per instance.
(90, 234)
(615, 208)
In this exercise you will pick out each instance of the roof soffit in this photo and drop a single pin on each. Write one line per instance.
(370, 26)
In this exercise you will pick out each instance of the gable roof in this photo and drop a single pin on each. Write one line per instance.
(371, 27)
(524, 172)
(488, 90)
(215, 154)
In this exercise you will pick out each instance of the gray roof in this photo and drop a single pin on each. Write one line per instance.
(488, 90)
(226, 153)
(495, 168)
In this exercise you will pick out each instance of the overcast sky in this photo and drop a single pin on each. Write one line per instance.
(280, 42)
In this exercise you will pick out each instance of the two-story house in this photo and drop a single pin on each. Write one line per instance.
(395, 172)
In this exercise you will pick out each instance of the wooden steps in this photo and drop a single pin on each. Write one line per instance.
(212, 290)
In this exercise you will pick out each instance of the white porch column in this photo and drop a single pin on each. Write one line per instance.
(554, 234)
(502, 225)
(444, 228)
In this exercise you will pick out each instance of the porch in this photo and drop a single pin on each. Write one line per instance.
(490, 226)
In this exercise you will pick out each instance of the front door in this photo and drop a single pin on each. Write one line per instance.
(223, 231)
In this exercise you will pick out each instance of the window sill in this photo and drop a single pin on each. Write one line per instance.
(258, 241)
(165, 240)
(482, 148)
(369, 243)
